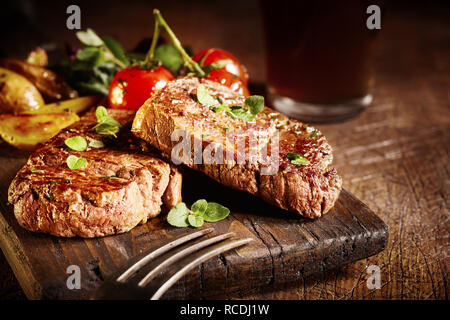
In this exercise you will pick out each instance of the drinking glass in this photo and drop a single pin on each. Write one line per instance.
(319, 57)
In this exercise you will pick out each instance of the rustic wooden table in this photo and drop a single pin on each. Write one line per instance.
(394, 156)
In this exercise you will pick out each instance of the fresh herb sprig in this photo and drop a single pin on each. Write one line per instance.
(105, 124)
(107, 46)
(241, 113)
(95, 65)
(74, 162)
(201, 211)
(204, 97)
(97, 144)
(252, 105)
(255, 104)
(76, 143)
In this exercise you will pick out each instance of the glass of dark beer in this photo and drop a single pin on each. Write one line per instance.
(319, 57)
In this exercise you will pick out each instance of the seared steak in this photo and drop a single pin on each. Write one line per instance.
(309, 189)
(119, 187)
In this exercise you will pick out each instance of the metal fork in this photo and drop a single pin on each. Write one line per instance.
(159, 268)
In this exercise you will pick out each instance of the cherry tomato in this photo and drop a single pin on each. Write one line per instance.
(212, 55)
(229, 80)
(131, 87)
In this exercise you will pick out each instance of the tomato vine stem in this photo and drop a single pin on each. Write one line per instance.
(151, 52)
(161, 23)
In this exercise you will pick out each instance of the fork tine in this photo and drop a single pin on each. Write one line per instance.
(179, 255)
(161, 250)
(198, 258)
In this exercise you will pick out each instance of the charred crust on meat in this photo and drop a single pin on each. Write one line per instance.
(308, 190)
(90, 205)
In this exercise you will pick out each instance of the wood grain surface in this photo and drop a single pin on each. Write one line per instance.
(394, 156)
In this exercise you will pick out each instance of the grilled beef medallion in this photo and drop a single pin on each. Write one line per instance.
(303, 181)
(119, 187)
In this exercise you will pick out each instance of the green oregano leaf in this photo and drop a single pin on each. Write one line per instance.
(169, 57)
(76, 143)
(106, 130)
(89, 38)
(111, 122)
(221, 108)
(201, 210)
(105, 124)
(241, 113)
(215, 212)
(296, 158)
(199, 207)
(178, 215)
(195, 220)
(96, 144)
(37, 170)
(74, 162)
(237, 112)
(91, 54)
(116, 49)
(204, 97)
(300, 161)
(255, 104)
(101, 113)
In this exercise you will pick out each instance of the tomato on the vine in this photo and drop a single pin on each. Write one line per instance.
(211, 55)
(132, 86)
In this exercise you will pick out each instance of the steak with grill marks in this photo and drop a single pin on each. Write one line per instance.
(120, 187)
(309, 189)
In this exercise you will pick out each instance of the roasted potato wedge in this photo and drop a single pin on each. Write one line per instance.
(17, 94)
(76, 105)
(52, 86)
(26, 131)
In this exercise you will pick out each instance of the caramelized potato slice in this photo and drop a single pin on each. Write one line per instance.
(25, 131)
(76, 105)
(17, 94)
(52, 86)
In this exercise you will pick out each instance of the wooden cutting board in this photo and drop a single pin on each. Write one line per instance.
(285, 247)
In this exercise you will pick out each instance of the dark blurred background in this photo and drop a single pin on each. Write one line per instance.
(235, 25)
